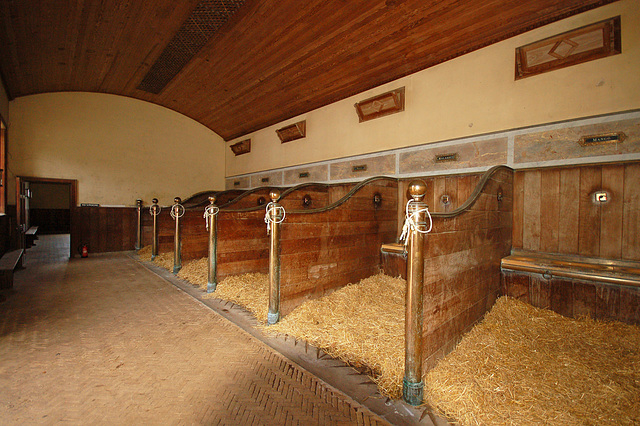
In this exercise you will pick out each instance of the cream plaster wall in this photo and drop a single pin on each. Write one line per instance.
(470, 95)
(118, 148)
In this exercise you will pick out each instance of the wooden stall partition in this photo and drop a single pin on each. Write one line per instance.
(556, 212)
(104, 229)
(166, 229)
(462, 264)
(195, 237)
(243, 243)
(444, 193)
(321, 252)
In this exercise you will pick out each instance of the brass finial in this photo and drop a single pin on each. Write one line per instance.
(212, 199)
(274, 194)
(177, 200)
(417, 190)
(154, 201)
(138, 202)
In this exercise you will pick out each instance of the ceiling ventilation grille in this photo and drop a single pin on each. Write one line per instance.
(197, 30)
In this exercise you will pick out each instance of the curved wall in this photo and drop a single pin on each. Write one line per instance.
(119, 149)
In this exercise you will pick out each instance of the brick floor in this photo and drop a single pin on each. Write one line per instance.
(103, 340)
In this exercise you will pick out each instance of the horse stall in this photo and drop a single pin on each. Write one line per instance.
(471, 233)
(326, 247)
(575, 241)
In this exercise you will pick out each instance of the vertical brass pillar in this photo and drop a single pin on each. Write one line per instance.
(412, 384)
(275, 215)
(155, 211)
(177, 210)
(211, 216)
(139, 227)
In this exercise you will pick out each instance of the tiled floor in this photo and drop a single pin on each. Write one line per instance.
(104, 340)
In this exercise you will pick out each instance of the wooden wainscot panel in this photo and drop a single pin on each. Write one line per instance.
(292, 132)
(381, 105)
(266, 179)
(570, 142)
(241, 147)
(238, 182)
(584, 44)
(307, 174)
(461, 156)
(363, 168)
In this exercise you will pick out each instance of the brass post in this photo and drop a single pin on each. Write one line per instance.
(412, 384)
(176, 212)
(155, 211)
(139, 229)
(275, 215)
(211, 216)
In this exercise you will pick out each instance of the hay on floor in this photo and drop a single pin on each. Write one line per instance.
(164, 260)
(144, 253)
(248, 290)
(523, 365)
(361, 324)
(196, 272)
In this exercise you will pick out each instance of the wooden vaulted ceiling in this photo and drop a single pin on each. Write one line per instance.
(272, 60)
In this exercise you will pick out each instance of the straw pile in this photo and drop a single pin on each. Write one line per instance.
(196, 272)
(361, 324)
(523, 365)
(164, 260)
(248, 290)
(144, 253)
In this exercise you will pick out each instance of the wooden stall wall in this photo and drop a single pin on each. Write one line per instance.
(243, 244)
(103, 229)
(444, 195)
(462, 263)
(321, 252)
(555, 210)
(575, 298)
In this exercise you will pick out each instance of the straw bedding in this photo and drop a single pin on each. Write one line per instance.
(248, 290)
(164, 260)
(196, 272)
(523, 365)
(361, 324)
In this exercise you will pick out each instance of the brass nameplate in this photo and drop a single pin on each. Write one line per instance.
(265, 180)
(303, 175)
(441, 158)
(236, 183)
(360, 168)
(605, 138)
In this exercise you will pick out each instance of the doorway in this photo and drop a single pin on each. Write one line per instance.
(46, 203)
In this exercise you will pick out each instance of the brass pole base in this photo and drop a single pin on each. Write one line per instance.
(211, 287)
(176, 269)
(273, 318)
(412, 393)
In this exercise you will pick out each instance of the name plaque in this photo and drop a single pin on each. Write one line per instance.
(303, 175)
(360, 168)
(605, 138)
(441, 158)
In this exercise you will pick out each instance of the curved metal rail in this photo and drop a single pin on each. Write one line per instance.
(474, 195)
(226, 206)
(331, 206)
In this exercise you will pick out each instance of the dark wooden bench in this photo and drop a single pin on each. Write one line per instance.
(8, 263)
(31, 236)
(574, 285)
